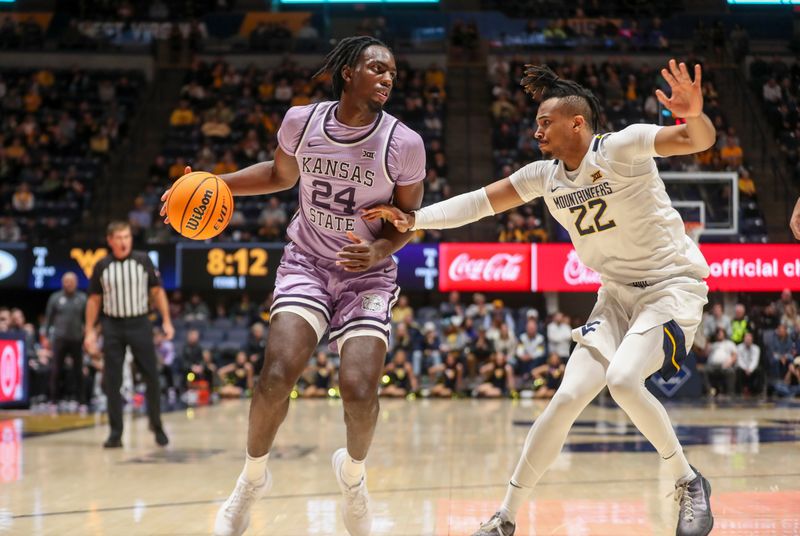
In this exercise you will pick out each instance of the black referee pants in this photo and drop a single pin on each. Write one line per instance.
(138, 334)
(73, 380)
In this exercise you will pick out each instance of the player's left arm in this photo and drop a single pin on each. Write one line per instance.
(407, 196)
(686, 101)
(362, 255)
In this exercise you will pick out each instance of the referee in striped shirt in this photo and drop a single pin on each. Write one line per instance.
(123, 283)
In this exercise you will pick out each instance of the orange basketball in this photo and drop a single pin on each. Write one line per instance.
(199, 205)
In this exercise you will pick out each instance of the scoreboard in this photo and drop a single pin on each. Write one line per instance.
(239, 266)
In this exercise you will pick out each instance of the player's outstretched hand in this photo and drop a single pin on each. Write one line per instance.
(359, 256)
(794, 222)
(165, 195)
(401, 220)
(686, 99)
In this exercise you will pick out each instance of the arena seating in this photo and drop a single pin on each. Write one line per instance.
(58, 129)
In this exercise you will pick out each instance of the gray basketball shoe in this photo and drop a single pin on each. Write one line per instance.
(694, 500)
(496, 526)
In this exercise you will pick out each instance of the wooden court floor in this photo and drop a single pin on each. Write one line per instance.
(436, 468)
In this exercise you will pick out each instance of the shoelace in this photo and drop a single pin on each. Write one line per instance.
(357, 499)
(242, 495)
(495, 523)
(684, 497)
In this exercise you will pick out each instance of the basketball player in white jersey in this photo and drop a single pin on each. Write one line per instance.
(606, 191)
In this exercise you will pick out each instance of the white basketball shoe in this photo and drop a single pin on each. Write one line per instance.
(355, 507)
(233, 516)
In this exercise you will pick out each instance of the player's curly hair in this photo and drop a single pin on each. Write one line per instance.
(346, 52)
(541, 80)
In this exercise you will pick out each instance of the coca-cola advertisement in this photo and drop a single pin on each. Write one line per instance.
(485, 267)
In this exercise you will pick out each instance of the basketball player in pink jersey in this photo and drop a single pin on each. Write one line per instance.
(337, 272)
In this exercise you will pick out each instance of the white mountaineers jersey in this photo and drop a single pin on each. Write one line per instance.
(616, 209)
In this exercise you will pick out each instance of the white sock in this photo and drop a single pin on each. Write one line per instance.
(255, 469)
(352, 471)
(679, 467)
(516, 496)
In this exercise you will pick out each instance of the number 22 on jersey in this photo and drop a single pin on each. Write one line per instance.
(595, 209)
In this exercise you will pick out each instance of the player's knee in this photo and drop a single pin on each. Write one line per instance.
(358, 397)
(275, 381)
(564, 400)
(621, 383)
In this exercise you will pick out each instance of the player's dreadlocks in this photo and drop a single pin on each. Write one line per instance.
(541, 80)
(346, 52)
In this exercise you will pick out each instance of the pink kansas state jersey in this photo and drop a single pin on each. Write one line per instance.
(343, 170)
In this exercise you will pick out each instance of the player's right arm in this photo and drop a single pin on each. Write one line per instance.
(276, 175)
(263, 178)
(279, 174)
(513, 191)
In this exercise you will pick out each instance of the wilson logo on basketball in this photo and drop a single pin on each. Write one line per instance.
(199, 211)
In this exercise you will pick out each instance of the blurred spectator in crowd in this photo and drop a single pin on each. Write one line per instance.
(747, 186)
(448, 376)
(402, 312)
(531, 349)
(192, 352)
(401, 338)
(244, 310)
(547, 377)
(717, 319)
(399, 377)
(504, 339)
(140, 217)
(183, 115)
(23, 199)
(464, 39)
(236, 378)
(256, 346)
(479, 352)
(789, 384)
(732, 154)
(748, 356)
(559, 335)
(168, 365)
(319, 376)
(453, 306)
(64, 326)
(741, 324)
(781, 348)
(772, 91)
(785, 300)
(196, 310)
(9, 230)
(721, 365)
(429, 353)
(498, 378)
(480, 311)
